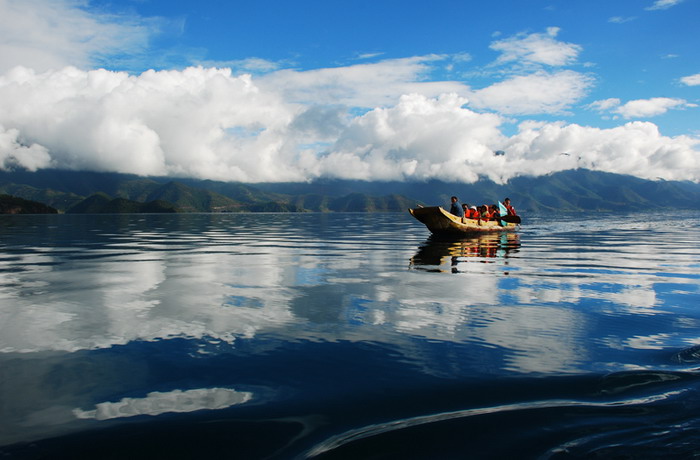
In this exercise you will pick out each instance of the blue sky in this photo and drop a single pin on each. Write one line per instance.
(374, 90)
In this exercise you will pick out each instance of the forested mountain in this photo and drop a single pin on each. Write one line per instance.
(14, 205)
(189, 199)
(50, 197)
(575, 190)
(101, 203)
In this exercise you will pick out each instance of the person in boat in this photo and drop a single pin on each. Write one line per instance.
(472, 213)
(509, 207)
(486, 212)
(468, 210)
(455, 207)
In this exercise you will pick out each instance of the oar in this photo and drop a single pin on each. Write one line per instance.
(505, 217)
(510, 219)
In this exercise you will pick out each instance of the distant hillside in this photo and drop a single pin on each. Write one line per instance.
(14, 205)
(50, 197)
(101, 203)
(575, 190)
(189, 199)
(244, 193)
(187, 195)
(360, 202)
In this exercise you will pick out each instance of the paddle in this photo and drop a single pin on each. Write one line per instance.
(505, 217)
(510, 219)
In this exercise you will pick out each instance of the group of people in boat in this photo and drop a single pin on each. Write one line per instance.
(483, 212)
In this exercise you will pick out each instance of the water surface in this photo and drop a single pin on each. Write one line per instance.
(348, 336)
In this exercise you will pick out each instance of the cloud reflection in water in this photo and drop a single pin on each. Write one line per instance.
(156, 403)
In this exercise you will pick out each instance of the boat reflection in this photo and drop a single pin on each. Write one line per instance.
(438, 253)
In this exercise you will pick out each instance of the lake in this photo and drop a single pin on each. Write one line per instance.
(348, 336)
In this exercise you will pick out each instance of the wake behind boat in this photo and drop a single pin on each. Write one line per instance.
(441, 222)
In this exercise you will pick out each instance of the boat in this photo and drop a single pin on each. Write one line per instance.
(441, 222)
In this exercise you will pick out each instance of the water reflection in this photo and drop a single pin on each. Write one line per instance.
(232, 277)
(156, 403)
(232, 292)
(438, 253)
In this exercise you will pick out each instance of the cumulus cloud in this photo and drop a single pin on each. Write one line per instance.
(418, 138)
(691, 80)
(199, 122)
(636, 148)
(14, 154)
(537, 48)
(663, 4)
(46, 35)
(209, 123)
(384, 120)
(540, 92)
(640, 108)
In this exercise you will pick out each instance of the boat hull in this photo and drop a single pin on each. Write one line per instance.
(441, 222)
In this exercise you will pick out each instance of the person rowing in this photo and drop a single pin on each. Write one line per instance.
(509, 207)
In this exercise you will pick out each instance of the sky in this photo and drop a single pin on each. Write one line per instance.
(376, 90)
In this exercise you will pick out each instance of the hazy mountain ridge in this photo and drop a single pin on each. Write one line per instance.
(574, 190)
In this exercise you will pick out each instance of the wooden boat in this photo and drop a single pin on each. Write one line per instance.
(441, 222)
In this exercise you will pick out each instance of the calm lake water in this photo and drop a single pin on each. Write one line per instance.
(348, 336)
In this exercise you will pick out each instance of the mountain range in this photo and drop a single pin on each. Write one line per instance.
(574, 190)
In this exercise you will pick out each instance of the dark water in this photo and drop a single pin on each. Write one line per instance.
(348, 336)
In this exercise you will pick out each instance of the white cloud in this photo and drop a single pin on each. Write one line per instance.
(169, 122)
(361, 85)
(650, 107)
(605, 104)
(537, 48)
(14, 154)
(636, 148)
(381, 120)
(641, 108)
(208, 123)
(419, 138)
(691, 80)
(250, 65)
(368, 55)
(540, 92)
(663, 4)
(50, 34)
(621, 19)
